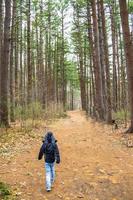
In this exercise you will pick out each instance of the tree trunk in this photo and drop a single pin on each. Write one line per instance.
(49, 54)
(12, 117)
(21, 57)
(92, 63)
(63, 64)
(81, 64)
(42, 81)
(107, 67)
(118, 78)
(113, 30)
(97, 70)
(4, 65)
(16, 37)
(1, 40)
(129, 55)
(37, 62)
(102, 60)
(123, 75)
(29, 89)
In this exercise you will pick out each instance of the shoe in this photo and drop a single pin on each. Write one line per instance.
(48, 190)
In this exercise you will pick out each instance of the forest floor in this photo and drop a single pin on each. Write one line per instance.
(95, 163)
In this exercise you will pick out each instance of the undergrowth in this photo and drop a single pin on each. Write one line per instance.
(29, 125)
(5, 192)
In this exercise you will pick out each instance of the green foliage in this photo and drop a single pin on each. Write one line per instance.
(54, 111)
(80, 3)
(72, 74)
(33, 110)
(4, 191)
(130, 7)
(121, 115)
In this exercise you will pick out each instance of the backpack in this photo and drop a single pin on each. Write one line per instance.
(50, 147)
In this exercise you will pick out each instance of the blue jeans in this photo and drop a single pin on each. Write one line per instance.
(50, 175)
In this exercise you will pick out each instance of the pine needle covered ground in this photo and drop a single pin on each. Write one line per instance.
(95, 163)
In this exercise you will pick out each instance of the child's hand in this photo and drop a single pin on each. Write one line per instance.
(57, 161)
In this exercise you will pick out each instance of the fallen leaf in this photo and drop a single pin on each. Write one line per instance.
(60, 196)
(80, 196)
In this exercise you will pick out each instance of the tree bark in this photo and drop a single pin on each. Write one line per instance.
(113, 30)
(97, 70)
(16, 37)
(4, 65)
(1, 40)
(42, 81)
(92, 64)
(102, 60)
(80, 58)
(64, 97)
(29, 89)
(12, 88)
(107, 67)
(21, 57)
(129, 55)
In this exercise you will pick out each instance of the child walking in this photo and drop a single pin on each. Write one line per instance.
(51, 155)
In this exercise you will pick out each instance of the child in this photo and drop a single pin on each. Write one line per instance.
(51, 154)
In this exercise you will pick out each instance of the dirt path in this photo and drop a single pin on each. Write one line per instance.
(94, 165)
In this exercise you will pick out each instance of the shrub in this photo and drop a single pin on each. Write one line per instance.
(4, 191)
